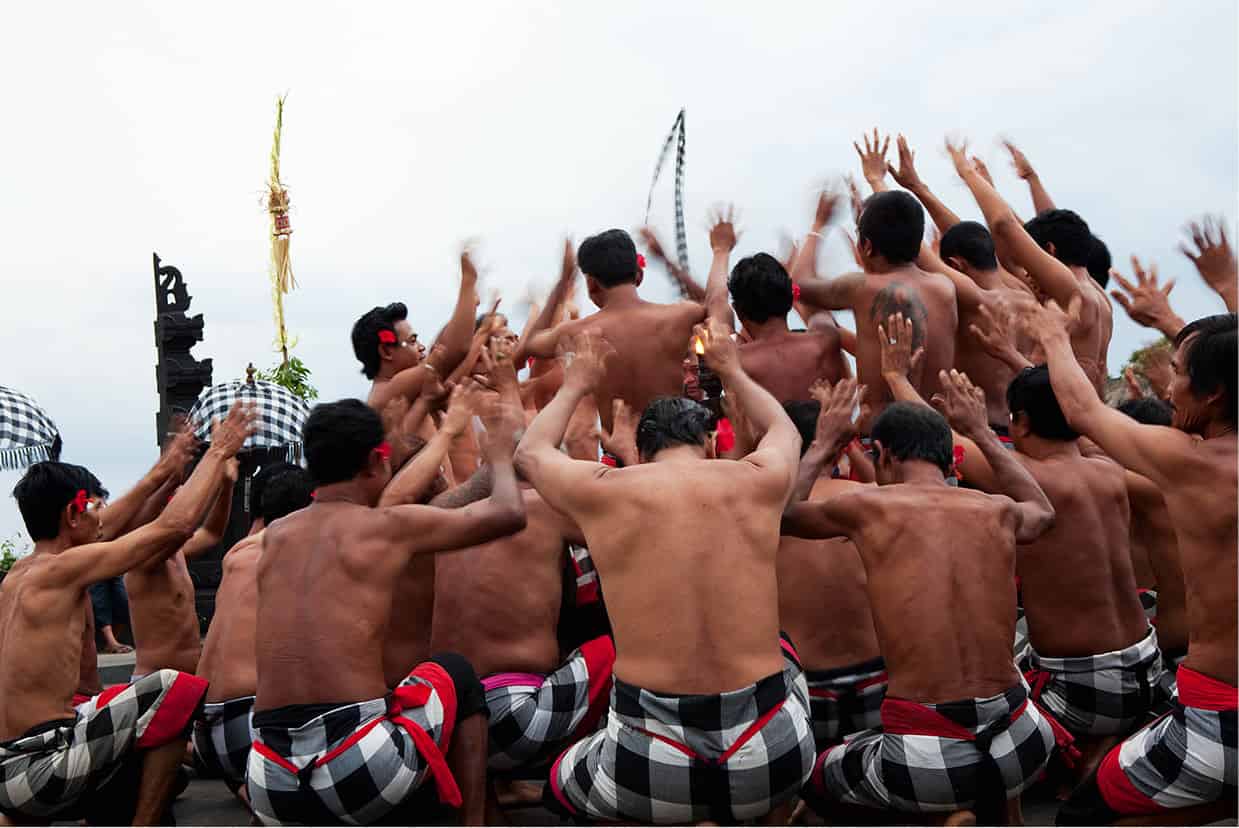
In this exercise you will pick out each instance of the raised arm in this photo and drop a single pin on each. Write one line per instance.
(835, 429)
(458, 331)
(207, 536)
(621, 440)
(1146, 301)
(907, 177)
(722, 242)
(1211, 254)
(836, 517)
(689, 287)
(996, 335)
(963, 404)
(1040, 198)
(873, 164)
(417, 475)
(94, 562)
(119, 516)
(541, 339)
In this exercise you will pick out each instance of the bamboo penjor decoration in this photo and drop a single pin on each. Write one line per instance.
(282, 280)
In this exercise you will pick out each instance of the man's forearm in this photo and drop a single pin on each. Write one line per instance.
(1010, 476)
(903, 390)
(1040, 197)
(717, 306)
(548, 428)
(943, 217)
(418, 474)
(189, 505)
(758, 405)
(1075, 392)
(545, 318)
(476, 488)
(458, 332)
(504, 492)
(811, 466)
(118, 516)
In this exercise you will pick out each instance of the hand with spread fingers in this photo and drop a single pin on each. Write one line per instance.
(621, 440)
(723, 233)
(873, 159)
(461, 406)
(906, 175)
(837, 421)
(230, 433)
(1044, 322)
(1146, 301)
(827, 202)
(962, 403)
(585, 361)
(996, 334)
(896, 337)
(1019, 161)
(1210, 252)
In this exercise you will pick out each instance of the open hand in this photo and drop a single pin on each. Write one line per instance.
(827, 202)
(505, 423)
(982, 170)
(461, 405)
(858, 201)
(996, 335)
(230, 433)
(957, 150)
(1134, 391)
(1044, 322)
(873, 159)
(906, 176)
(1210, 252)
(1146, 302)
(896, 337)
(179, 453)
(621, 440)
(723, 234)
(585, 360)
(962, 403)
(1019, 161)
(835, 424)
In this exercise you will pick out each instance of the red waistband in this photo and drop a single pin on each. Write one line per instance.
(908, 718)
(1204, 692)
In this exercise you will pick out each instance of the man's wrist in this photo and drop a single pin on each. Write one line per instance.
(721, 251)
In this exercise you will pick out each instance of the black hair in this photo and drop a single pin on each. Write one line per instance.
(1148, 410)
(1031, 394)
(1099, 262)
(366, 334)
(972, 242)
(1211, 362)
(46, 489)
(760, 288)
(1073, 243)
(915, 432)
(804, 414)
(284, 493)
(672, 421)
(258, 483)
(894, 223)
(610, 257)
(338, 438)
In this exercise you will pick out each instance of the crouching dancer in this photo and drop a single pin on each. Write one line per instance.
(331, 742)
(57, 760)
(958, 730)
(709, 715)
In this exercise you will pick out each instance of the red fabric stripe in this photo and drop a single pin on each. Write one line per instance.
(110, 693)
(1206, 693)
(1037, 679)
(789, 648)
(174, 712)
(908, 718)
(355, 737)
(872, 680)
(599, 662)
(1118, 791)
(587, 593)
(270, 755)
(80, 698)
(442, 684)
(555, 789)
(822, 693)
(445, 783)
(751, 731)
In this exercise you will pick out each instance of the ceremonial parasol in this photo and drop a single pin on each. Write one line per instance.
(281, 414)
(27, 433)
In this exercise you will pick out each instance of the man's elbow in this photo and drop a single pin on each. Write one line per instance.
(507, 518)
(175, 528)
(1041, 521)
(1005, 224)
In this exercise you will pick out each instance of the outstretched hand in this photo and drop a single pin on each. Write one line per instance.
(1146, 301)
(723, 233)
(230, 433)
(585, 360)
(962, 403)
(827, 201)
(621, 440)
(836, 425)
(957, 150)
(872, 158)
(461, 406)
(1019, 161)
(896, 337)
(468, 270)
(858, 201)
(1211, 254)
(1044, 322)
(179, 453)
(997, 337)
(905, 176)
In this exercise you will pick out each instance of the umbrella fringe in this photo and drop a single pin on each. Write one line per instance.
(292, 454)
(16, 459)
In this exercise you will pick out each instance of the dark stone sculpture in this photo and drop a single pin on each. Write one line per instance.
(179, 377)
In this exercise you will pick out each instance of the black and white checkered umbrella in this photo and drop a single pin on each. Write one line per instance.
(27, 434)
(281, 414)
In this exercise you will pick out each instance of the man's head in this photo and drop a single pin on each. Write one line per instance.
(608, 260)
(969, 248)
(760, 289)
(910, 433)
(669, 422)
(1064, 235)
(384, 336)
(1035, 411)
(889, 230)
(258, 484)
(61, 500)
(1203, 389)
(284, 493)
(1148, 410)
(344, 442)
(1099, 262)
(804, 414)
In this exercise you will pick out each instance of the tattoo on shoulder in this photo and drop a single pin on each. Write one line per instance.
(898, 297)
(477, 487)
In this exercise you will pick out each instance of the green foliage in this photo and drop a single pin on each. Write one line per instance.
(1162, 348)
(10, 550)
(294, 376)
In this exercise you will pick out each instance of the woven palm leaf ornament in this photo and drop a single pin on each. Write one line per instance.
(281, 269)
(676, 138)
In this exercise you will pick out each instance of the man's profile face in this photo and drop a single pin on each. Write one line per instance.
(1189, 414)
(409, 350)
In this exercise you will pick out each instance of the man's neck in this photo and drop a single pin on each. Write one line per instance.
(348, 491)
(1218, 430)
(773, 328)
(621, 296)
(986, 279)
(680, 454)
(879, 266)
(1038, 448)
(919, 472)
(54, 546)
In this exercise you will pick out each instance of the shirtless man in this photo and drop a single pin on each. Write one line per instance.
(56, 757)
(834, 637)
(1054, 249)
(958, 731)
(693, 600)
(162, 609)
(222, 735)
(784, 363)
(649, 338)
(889, 232)
(1187, 758)
(332, 741)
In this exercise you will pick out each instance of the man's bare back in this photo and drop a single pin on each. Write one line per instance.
(498, 604)
(823, 605)
(228, 654)
(1155, 559)
(164, 617)
(787, 364)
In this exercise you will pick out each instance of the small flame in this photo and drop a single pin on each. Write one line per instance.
(699, 347)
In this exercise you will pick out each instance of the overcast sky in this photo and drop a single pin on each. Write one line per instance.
(145, 127)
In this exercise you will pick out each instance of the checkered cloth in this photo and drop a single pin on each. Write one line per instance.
(358, 762)
(1186, 758)
(281, 414)
(532, 716)
(1022, 649)
(586, 575)
(1148, 601)
(677, 135)
(27, 434)
(846, 700)
(937, 757)
(682, 759)
(57, 765)
(222, 738)
(1099, 695)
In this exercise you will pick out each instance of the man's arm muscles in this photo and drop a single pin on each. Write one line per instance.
(458, 331)
(211, 532)
(818, 519)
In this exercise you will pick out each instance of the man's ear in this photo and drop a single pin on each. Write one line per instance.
(958, 263)
(640, 277)
(1049, 248)
(70, 516)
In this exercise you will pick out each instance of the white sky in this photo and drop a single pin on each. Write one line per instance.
(135, 128)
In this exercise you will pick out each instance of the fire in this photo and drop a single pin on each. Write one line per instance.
(699, 347)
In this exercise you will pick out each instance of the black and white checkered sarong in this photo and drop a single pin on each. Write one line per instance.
(281, 414)
(846, 700)
(358, 762)
(937, 757)
(1099, 695)
(57, 765)
(682, 759)
(27, 433)
(222, 738)
(531, 715)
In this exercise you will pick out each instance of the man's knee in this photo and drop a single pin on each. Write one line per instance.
(470, 695)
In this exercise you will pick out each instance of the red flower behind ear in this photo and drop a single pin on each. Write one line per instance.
(640, 262)
(80, 500)
(387, 337)
(384, 450)
(795, 292)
